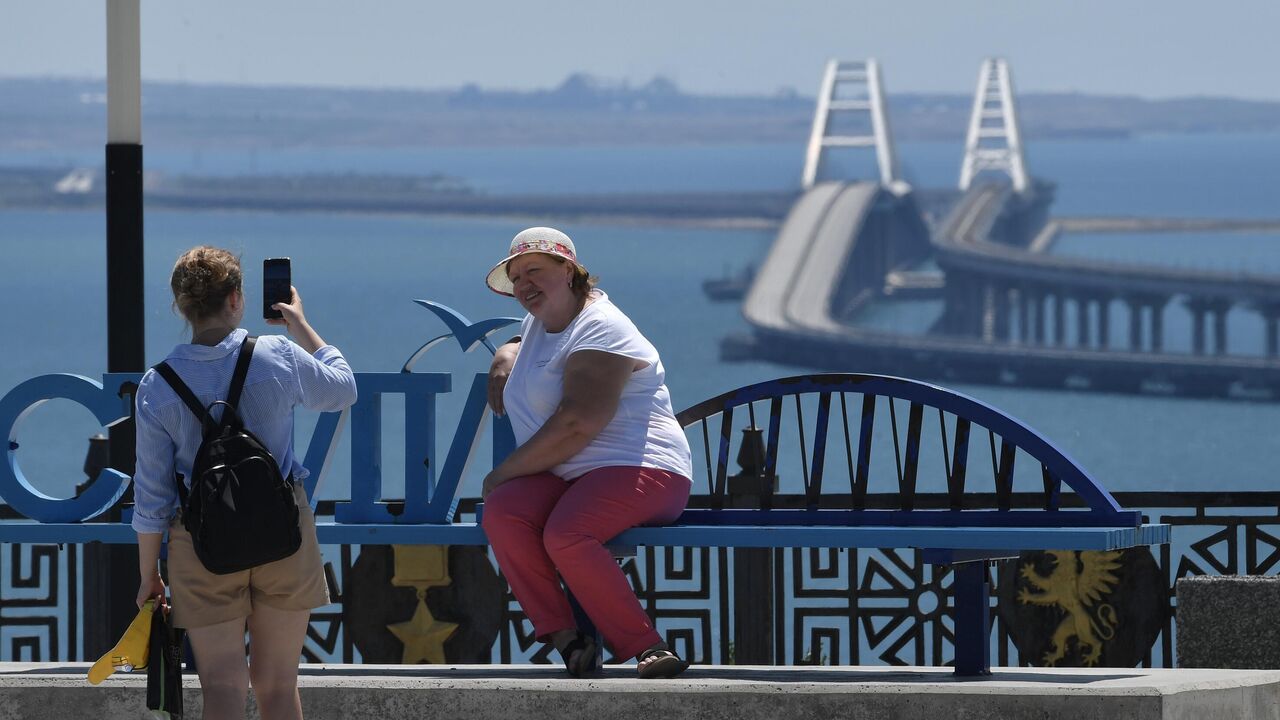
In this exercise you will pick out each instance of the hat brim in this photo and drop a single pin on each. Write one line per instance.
(498, 281)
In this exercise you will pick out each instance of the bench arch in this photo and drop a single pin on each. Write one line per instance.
(1005, 432)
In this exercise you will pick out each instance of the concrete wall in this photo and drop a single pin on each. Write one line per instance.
(1229, 621)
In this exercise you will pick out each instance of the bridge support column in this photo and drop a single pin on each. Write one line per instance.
(1157, 324)
(1104, 323)
(1197, 308)
(1024, 315)
(1002, 309)
(987, 315)
(1059, 318)
(1220, 309)
(1037, 316)
(1083, 337)
(1135, 324)
(1271, 317)
(968, 306)
(978, 322)
(948, 308)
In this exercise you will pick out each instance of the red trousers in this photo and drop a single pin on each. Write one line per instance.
(540, 526)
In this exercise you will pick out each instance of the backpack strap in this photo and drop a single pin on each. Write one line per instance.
(207, 422)
(241, 372)
(184, 392)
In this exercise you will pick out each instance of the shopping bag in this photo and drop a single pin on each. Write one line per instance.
(164, 671)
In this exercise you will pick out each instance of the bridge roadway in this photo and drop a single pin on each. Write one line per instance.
(790, 308)
(966, 245)
(794, 288)
(992, 280)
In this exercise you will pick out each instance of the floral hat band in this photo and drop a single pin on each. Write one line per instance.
(545, 246)
(545, 240)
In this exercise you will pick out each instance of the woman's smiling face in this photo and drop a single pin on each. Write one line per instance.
(541, 284)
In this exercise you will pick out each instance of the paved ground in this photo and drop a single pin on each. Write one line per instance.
(477, 692)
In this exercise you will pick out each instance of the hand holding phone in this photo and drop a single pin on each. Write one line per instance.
(277, 286)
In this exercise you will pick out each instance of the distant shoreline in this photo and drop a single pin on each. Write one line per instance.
(59, 112)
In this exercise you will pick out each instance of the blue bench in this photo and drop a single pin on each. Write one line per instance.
(846, 414)
(962, 536)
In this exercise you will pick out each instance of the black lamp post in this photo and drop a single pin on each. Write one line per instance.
(111, 576)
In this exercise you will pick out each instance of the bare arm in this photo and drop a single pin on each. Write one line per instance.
(149, 569)
(593, 383)
(499, 370)
(295, 322)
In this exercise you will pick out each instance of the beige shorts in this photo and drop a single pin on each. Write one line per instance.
(201, 598)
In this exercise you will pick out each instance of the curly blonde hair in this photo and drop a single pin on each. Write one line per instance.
(202, 279)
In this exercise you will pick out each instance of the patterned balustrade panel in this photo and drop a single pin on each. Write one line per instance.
(831, 606)
(40, 600)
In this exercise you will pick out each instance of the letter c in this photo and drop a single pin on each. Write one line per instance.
(14, 488)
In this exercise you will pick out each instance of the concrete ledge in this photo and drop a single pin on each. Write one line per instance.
(1228, 621)
(479, 692)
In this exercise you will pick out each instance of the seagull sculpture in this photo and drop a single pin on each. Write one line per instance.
(467, 333)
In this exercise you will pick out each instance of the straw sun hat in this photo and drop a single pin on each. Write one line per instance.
(548, 241)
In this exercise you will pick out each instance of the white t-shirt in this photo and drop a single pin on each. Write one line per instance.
(643, 432)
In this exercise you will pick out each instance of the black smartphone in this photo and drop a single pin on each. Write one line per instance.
(277, 285)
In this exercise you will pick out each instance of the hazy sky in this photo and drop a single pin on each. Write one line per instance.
(1153, 48)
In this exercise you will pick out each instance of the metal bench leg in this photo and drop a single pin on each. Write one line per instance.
(972, 618)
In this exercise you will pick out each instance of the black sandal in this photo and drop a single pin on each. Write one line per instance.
(664, 664)
(584, 646)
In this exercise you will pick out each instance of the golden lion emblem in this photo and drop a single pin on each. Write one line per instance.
(1076, 585)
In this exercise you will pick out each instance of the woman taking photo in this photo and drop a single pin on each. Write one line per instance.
(598, 451)
(272, 601)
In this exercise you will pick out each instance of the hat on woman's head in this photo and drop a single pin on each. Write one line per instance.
(545, 240)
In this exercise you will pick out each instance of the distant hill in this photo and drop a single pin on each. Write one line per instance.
(48, 114)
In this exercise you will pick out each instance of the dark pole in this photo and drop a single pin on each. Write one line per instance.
(111, 576)
(753, 576)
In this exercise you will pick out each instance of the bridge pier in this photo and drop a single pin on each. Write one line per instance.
(1220, 308)
(1139, 306)
(979, 321)
(1083, 339)
(979, 291)
(1157, 323)
(1104, 322)
(1198, 308)
(1003, 309)
(986, 318)
(1024, 314)
(1135, 325)
(1271, 318)
(1059, 318)
(1037, 316)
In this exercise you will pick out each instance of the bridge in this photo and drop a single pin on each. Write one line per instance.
(1012, 312)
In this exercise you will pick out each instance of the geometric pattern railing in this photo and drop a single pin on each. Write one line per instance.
(835, 606)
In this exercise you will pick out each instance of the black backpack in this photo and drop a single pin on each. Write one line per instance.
(240, 511)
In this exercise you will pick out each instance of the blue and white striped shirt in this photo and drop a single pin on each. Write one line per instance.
(281, 376)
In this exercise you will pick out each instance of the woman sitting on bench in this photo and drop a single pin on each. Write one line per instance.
(599, 451)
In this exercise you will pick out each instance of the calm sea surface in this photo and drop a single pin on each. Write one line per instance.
(358, 275)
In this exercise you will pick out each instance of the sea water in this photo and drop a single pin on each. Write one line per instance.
(358, 275)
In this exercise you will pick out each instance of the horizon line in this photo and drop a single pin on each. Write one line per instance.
(613, 84)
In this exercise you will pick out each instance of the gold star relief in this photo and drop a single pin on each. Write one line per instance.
(423, 636)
